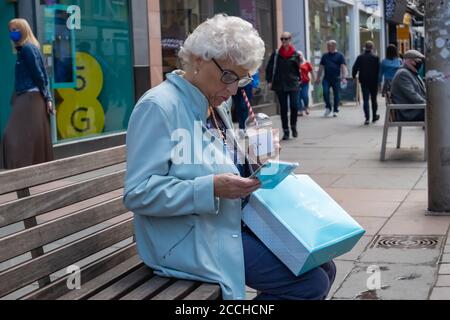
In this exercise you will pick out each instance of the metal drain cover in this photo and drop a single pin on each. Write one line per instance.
(405, 242)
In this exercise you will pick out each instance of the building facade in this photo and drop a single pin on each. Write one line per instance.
(350, 22)
(103, 55)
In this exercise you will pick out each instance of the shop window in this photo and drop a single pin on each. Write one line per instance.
(100, 99)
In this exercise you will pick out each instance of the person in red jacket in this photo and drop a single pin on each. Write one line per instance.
(307, 74)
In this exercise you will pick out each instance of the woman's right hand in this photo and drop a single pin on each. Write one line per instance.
(230, 186)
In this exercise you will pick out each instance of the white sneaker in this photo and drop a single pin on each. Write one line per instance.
(327, 113)
(335, 114)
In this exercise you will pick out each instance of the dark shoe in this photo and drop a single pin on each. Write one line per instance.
(294, 133)
(367, 122)
(286, 135)
(377, 117)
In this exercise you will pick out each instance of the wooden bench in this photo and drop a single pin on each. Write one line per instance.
(391, 121)
(70, 213)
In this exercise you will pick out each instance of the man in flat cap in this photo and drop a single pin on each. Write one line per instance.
(408, 87)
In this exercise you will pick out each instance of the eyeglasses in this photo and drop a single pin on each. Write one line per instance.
(286, 39)
(230, 77)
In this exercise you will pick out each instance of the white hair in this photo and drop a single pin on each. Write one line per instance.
(225, 37)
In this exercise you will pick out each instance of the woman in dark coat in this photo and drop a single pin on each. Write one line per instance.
(283, 76)
(27, 137)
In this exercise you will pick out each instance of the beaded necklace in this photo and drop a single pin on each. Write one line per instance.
(216, 124)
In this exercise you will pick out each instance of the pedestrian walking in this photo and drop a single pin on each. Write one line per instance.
(27, 137)
(307, 75)
(389, 68)
(366, 66)
(334, 70)
(283, 77)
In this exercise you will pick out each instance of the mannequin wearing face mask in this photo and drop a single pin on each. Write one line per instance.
(408, 87)
(27, 138)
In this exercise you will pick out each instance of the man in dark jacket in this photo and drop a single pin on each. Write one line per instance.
(283, 76)
(407, 87)
(368, 67)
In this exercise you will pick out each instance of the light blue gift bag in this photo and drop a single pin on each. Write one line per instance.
(301, 224)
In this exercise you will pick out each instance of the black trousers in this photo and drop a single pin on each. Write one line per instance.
(283, 98)
(370, 92)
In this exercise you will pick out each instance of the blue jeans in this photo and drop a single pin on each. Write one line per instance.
(336, 86)
(303, 97)
(267, 274)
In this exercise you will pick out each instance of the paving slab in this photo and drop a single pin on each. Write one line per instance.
(359, 248)
(444, 268)
(417, 225)
(372, 225)
(381, 209)
(443, 281)
(373, 181)
(351, 194)
(398, 282)
(440, 294)
(343, 269)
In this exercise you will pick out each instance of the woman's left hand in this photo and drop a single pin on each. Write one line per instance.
(50, 109)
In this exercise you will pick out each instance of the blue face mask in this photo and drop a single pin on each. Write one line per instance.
(15, 36)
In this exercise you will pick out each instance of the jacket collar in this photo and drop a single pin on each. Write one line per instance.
(198, 101)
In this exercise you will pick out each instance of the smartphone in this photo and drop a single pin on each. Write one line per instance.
(272, 173)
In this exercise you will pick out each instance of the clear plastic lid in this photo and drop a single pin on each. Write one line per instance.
(260, 120)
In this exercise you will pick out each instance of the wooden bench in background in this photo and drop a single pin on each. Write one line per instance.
(391, 121)
(70, 213)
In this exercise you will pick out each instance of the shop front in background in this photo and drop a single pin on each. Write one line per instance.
(7, 13)
(329, 20)
(180, 18)
(90, 64)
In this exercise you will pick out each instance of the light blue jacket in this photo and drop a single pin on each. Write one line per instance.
(182, 230)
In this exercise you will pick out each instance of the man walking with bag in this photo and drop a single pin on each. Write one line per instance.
(283, 77)
(367, 65)
(335, 71)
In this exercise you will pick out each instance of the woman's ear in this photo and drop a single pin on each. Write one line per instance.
(197, 64)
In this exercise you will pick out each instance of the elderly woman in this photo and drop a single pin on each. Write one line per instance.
(187, 206)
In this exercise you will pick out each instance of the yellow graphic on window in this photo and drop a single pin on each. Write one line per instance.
(81, 113)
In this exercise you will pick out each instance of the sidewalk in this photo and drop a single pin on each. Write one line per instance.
(389, 199)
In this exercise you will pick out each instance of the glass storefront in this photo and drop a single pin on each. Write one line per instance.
(7, 13)
(370, 29)
(91, 66)
(180, 17)
(329, 20)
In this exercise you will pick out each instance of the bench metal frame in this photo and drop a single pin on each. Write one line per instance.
(390, 121)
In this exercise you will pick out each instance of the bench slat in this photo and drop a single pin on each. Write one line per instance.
(205, 292)
(150, 288)
(29, 239)
(28, 272)
(104, 280)
(124, 285)
(177, 291)
(89, 272)
(406, 106)
(405, 124)
(19, 210)
(47, 172)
